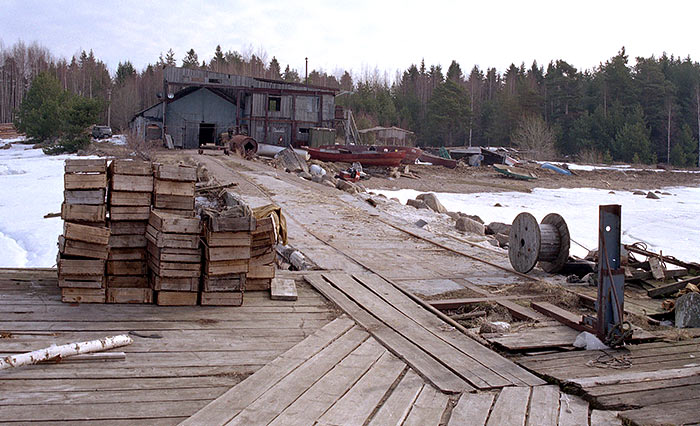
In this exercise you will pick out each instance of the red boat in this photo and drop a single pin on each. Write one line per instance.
(357, 153)
(412, 153)
(437, 160)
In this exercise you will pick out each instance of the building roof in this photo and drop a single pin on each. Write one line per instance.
(380, 128)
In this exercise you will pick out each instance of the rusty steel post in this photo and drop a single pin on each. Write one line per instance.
(611, 277)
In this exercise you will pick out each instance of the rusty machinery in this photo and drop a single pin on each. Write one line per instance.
(548, 243)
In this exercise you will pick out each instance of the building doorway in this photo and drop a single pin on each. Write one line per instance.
(207, 133)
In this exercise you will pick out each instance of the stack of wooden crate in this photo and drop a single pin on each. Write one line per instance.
(83, 247)
(262, 256)
(174, 257)
(173, 189)
(129, 202)
(227, 242)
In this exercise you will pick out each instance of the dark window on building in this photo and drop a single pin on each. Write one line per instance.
(274, 103)
(214, 80)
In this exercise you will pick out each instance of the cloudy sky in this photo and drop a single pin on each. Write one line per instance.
(359, 35)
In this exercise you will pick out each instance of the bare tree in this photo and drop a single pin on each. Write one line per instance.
(534, 136)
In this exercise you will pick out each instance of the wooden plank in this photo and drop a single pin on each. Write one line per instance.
(472, 409)
(83, 212)
(228, 405)
(175, 224)
(85, 196)
(175, 172)
(324, 393)
(131, 183)
(84, 181)
(562, 315)
(227, 253)
(643, 398)
(630, 388)
(119, 213)
(126, 198)
(358, 403)
(428, 408)
(168, 187)
(179, 202)
(88, 234)
(283, 289)
(83, 165)
(129, 295)
(510, 407)
(221, 298)
(504, 368)
(396, 408)
(669, 289)
(605, 418)
(530, 338)
(544, 406)
(624, 377)
(445, 304)
(427, 366)
(672, 413)
(573, 411)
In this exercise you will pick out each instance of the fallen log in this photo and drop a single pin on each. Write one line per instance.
(63, 351)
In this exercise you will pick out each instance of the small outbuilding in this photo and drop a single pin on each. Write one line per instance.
(393, 136)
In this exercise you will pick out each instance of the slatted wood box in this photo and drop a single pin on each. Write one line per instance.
(129, 295)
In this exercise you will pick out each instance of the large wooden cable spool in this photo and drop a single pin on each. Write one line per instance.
(547, 243)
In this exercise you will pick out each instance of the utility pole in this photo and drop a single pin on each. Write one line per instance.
(109, 107)
(306, 73)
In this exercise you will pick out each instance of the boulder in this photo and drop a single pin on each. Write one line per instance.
(305, 175)
(328, 183)
(419, 204)
(454, 215)
(652, 196)
(688, 310)
(432, 201)
(317, 178)
(502, 239)
(471, 226)
(473, 217)
(498, 228)
(639, 193)
(347, 186)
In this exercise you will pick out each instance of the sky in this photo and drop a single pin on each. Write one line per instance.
(359, 35)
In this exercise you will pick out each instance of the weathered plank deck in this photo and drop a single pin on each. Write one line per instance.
(193, 354)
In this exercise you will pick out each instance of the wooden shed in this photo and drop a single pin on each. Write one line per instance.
(394, 136)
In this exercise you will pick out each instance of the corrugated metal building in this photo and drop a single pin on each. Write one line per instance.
(209, 103)
(393, 136)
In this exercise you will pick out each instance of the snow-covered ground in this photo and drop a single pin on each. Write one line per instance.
(116, 140)
(670, 224)
(31, 185)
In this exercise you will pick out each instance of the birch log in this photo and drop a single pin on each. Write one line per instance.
(63, 351)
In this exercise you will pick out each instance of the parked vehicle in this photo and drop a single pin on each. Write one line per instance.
(101, 132)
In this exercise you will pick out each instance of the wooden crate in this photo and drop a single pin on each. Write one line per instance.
(82, 249)
(171, 223)
(258, 284)
(261, 271)
(169, 187)
(131, 167)
(86, 282)
(226, 253)
(176, 202)
(124, 198)
(182, 213)
(70, 268)
(225, 267)
(221, 299)
(84, 213)
(174, 254)
(176, 298)
(227, 239)
(127, 241)
(262, 226)
(175, 172)
(126, 267)
(233, 282)
(129, 295)
(92, 197)
(131, 183)
(127, 253)
(174, 269)
(264, 259)
(79, 165)
(230, 224)
(174, 284)
(134, 227)
(118, 213)
(88, 234)
(162, 239)
(127, 281)
(83, 295)
(84, 181)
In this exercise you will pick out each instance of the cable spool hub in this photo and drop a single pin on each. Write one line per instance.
(547, 243)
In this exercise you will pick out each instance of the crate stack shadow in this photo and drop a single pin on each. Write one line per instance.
(173, 233)
(84, 246)
(129, 201)
(226, 242)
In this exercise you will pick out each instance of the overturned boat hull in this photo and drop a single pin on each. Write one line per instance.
(367, 158)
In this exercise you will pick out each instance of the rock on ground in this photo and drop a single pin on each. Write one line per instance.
(431, 200)
(688, 310)
(419, 204)
(498, 228)
(471, 226)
